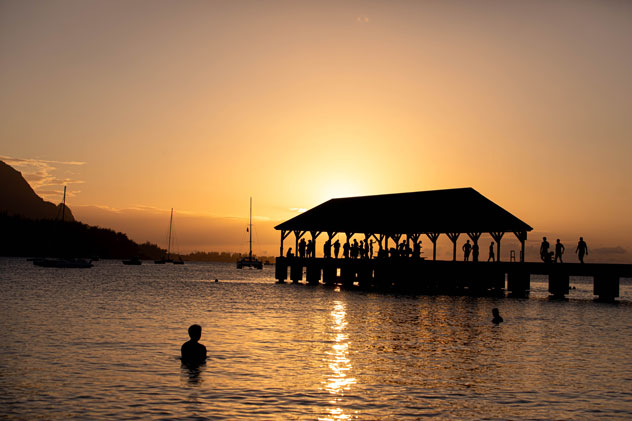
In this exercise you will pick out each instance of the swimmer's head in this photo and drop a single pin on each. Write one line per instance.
(195, 332)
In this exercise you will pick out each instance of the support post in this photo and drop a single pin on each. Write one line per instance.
(453, 236)
(497, 236)
(297, 234)
(433, 237)
(284, 235)
(522, 237)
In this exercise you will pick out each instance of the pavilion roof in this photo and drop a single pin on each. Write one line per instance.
(460, 210)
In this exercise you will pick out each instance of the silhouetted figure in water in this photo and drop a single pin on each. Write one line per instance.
(475, 252)
(497, 319)
(336, 248)
(193, 352)
(467, 247)
(491, 253)
(582, 249)
(289, 253)
(544, 250)
(559, 250)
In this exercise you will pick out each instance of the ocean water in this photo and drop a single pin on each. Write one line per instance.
(104, 343)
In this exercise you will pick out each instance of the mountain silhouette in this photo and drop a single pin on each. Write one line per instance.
(18, 198)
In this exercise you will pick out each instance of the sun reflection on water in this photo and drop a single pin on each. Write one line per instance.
(339, 380)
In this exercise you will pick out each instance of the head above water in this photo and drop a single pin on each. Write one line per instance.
(195, 332)
(495, 312)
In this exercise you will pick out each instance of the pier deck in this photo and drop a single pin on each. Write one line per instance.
(420, 275)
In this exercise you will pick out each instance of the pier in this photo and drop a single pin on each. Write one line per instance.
(390, 228)
(436, 277)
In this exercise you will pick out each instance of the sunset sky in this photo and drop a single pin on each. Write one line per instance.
(142, 106)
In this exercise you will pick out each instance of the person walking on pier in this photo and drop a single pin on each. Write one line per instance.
(491, 252)
(559, 250)
(475, 252)
(467, 247)
(544, 250)
(582, 249)
(336, 248)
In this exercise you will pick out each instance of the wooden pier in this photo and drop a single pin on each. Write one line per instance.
(423, 276)
(388, 224)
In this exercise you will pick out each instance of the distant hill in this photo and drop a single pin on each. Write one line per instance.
(18, 198)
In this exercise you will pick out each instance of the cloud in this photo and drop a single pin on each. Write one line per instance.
(298, 210)
(363, 19)
(47, 177)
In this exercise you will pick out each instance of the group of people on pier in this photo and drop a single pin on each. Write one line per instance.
(364, 250)
(549, 256)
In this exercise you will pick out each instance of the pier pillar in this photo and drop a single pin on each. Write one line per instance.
(365, 278)
(348, 275)
(329, 274)
(280, 269)
(606, 286)
(518, 282)
(313, 273)
(296, 272)
(559, 284)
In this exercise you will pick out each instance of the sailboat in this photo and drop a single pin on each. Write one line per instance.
(250, 261)
(63, 262)
(168, 259)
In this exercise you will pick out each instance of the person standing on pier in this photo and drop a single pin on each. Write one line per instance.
(467, 247)
(544, 250)
(559, 250)
(327, 249)
(301, 248)
(475, 252)
(345, 250)
(491, 252)
(336, 248)
(582, 248)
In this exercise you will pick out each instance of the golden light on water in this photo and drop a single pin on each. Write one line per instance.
(340, 379)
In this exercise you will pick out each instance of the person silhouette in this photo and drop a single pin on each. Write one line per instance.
(491, 252)
(193, 353)
(327, 249)
(371, 249)
(336, 248)
(582, 248)
(289, 253)
(497, 319)
(544, 250)
(559, 250)
(301, 248)
(475, 252)
(467, 247)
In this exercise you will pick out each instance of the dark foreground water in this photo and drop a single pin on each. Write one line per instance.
(104, 343)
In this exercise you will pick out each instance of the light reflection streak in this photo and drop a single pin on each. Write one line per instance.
(339, 363)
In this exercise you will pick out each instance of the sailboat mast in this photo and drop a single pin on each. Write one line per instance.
(169, 243)
(63, 206)
(250, 231)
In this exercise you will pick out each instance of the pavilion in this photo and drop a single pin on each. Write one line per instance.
(391, 216)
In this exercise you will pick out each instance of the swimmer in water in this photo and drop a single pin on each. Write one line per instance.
(497, 319)
(193, 352)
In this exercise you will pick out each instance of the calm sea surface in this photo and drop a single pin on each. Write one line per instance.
(104, 343)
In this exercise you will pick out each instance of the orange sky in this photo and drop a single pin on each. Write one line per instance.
(140, 106)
